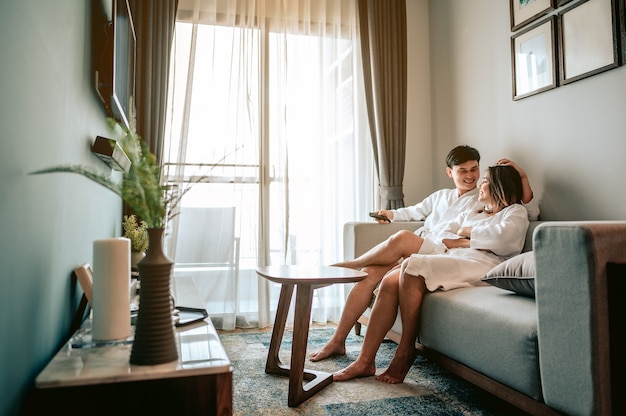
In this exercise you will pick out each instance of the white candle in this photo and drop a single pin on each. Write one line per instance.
(111, 291)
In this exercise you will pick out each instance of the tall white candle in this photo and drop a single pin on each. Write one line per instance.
(111, 289)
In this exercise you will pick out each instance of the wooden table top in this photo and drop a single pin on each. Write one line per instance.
(312, 275)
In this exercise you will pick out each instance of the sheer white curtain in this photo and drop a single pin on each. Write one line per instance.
(265, 113)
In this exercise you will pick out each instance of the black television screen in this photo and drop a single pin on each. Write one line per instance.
(113, 49)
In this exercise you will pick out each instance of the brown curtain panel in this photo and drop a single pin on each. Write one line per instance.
(383, 48)
(154, 28)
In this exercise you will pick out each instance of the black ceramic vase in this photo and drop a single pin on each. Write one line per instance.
(155, 341)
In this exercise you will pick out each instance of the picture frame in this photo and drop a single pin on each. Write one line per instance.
(588, 39)
(620, 9)
(84, 275)
(525, 11)
(533, 59)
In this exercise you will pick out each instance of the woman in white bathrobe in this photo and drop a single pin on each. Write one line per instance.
(458, 257)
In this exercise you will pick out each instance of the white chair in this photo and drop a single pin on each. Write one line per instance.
(206, 244)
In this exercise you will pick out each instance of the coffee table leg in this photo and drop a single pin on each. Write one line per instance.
(273, 364)
(318, 380)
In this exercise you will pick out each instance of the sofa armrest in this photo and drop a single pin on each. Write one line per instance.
(573, 312)
(358, 237)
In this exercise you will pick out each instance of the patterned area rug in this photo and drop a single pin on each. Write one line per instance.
(427, 390)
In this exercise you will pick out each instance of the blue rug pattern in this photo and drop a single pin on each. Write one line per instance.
(427, 390)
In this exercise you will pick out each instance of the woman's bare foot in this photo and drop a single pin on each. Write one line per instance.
(349, 264)
(328, 350)
(398, 369)
(355, 370)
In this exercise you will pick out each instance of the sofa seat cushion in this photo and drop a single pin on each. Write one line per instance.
(490, 330)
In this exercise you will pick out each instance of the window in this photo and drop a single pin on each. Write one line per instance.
(269, 117)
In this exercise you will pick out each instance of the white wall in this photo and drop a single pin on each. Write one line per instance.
(571, 140)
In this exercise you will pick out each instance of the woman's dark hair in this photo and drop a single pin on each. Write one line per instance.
(461, 154)
(505, 185)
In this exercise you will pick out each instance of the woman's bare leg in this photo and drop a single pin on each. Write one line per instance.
(357, 302)
(383, 316)
(376, 262)
(412, 289)
(399, 245)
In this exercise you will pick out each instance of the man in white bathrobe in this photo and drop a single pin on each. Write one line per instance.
(436, 210)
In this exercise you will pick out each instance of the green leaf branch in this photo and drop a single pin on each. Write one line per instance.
(141, 188)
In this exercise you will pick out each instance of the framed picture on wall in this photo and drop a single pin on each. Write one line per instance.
(526, 11)
(588, 39)
(620, 9)
(533, 59)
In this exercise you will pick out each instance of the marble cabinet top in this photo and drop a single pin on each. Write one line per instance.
(81, 362)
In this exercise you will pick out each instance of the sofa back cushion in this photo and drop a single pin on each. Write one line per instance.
(528, 244)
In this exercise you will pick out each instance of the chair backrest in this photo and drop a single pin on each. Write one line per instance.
(205, 235)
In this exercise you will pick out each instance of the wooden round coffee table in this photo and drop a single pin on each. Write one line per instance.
(306, 279)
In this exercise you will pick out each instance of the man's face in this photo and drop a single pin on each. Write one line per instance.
(465, 175)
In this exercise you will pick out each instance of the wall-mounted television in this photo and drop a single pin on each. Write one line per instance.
(113, 56)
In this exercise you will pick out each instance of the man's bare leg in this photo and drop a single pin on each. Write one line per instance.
(358, 300)
(413, 289)
(383, 316)
(399, 245)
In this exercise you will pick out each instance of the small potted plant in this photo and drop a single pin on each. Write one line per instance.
(137, 233)
(153, 204)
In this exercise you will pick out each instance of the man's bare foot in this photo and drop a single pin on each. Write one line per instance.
(328, 350)
(355, 370)
(398, 369)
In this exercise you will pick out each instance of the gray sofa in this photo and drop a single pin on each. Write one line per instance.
(559, 352)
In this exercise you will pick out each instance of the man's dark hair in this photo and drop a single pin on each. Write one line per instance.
(461, 154)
